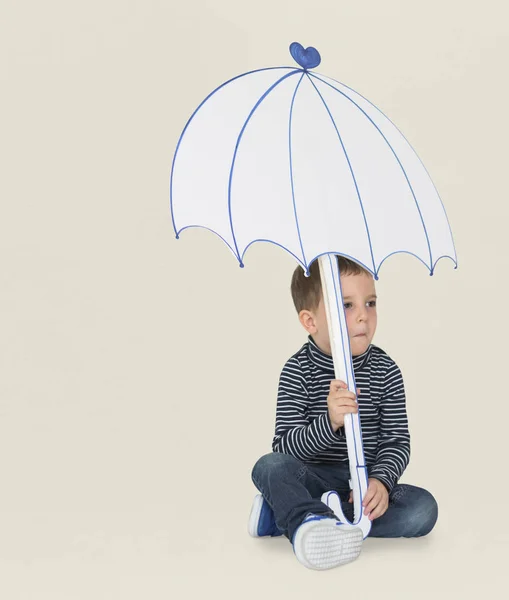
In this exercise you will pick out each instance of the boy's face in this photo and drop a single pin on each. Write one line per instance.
(359, 297)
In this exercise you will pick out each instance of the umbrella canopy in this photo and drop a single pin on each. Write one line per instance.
(288, 156)
(298, 159)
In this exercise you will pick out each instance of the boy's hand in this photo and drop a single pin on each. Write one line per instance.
(376, 500)
(340, 402)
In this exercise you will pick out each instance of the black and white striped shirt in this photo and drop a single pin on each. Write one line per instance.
(303, 427)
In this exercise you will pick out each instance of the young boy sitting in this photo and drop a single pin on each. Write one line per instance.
(310, 454)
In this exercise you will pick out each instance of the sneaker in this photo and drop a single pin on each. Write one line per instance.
(323, 542)
(261, 519)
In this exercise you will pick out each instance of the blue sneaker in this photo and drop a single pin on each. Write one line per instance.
(322, 542)
(261, 519)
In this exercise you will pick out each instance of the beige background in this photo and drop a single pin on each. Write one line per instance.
(139, 374)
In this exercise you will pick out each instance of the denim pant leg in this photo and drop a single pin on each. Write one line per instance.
(291, 489)
(412, 512)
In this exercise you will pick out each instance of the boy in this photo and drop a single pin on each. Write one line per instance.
(310, 454)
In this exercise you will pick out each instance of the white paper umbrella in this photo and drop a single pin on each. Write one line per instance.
(288, 156)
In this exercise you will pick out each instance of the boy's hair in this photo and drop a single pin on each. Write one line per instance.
(307, 291)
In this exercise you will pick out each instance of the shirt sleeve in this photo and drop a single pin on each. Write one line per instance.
(393, 453)
(295, 433)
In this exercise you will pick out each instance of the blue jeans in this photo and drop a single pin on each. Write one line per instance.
(293, 489)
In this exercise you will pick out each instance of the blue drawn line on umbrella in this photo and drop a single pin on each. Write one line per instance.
(351, 171)
(446, 256)
(253, 110)
(291, 165)
(303, 265)
(340, 254)
(211, 230)
(418, 257)
(358, 449)
(395, 156)
(455, 260)
(193, 115)
(346, 345)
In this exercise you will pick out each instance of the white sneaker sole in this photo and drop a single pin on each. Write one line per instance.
(324, 545)
(254, 517)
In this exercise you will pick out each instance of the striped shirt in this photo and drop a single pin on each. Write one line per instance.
(303, 427)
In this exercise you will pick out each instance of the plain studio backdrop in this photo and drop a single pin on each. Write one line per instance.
(139, 373)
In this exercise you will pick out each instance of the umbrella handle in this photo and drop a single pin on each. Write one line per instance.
(343, 369)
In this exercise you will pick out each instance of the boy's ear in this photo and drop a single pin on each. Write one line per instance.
(307, 320)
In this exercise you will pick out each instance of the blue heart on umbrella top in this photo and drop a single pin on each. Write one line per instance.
(307, 58)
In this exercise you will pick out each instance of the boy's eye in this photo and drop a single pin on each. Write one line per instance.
(349, 304)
